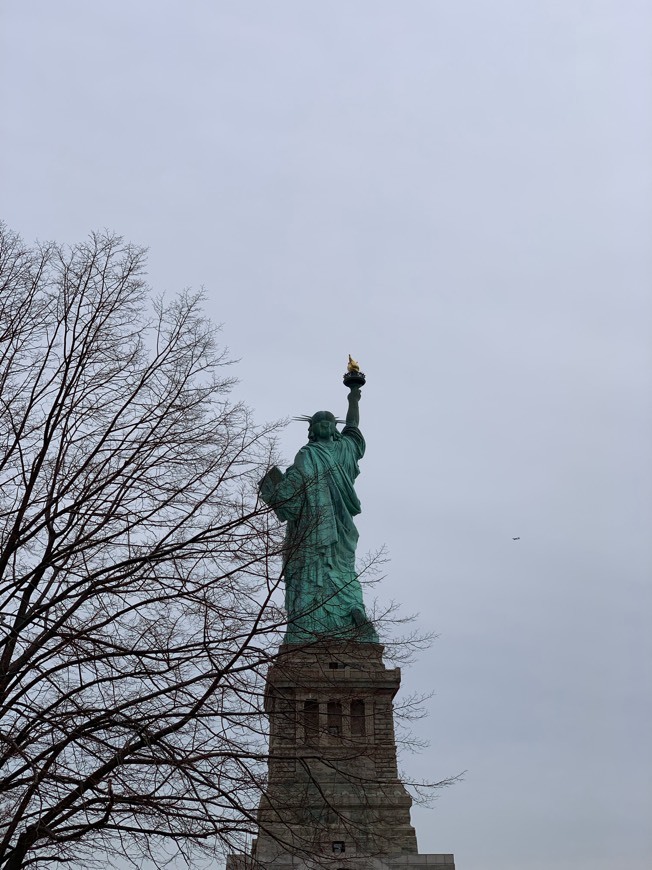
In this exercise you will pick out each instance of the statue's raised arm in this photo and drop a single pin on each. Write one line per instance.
(317, 499)
(353, 414)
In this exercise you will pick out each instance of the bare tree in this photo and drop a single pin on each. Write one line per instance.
(135, 580)
(137, 576)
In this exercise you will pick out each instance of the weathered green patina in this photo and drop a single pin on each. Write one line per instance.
(316, 498)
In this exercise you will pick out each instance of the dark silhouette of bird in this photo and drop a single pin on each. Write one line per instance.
(516, 539)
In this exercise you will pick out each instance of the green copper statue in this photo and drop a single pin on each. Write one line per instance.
(316, 498)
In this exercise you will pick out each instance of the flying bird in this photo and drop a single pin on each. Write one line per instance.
(516, 539)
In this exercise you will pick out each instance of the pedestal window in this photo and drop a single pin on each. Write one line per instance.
(358, 722)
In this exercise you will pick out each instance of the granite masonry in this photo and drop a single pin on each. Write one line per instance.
(334, 798)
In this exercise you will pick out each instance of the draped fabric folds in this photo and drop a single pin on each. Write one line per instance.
(317, 499)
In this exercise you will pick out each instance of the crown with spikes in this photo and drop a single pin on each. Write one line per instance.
(304, 418)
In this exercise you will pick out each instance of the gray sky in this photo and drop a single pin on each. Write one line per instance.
(460, 195)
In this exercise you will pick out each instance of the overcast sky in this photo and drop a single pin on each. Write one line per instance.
(460, 195)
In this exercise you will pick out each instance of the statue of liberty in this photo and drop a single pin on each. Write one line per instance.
(316, 498)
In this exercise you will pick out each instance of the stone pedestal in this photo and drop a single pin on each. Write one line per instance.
(334, 798)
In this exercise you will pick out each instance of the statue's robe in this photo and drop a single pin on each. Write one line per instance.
(316, 498)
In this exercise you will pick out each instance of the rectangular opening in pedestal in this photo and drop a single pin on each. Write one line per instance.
(311, 719)
(334, 718)
(358, 723)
